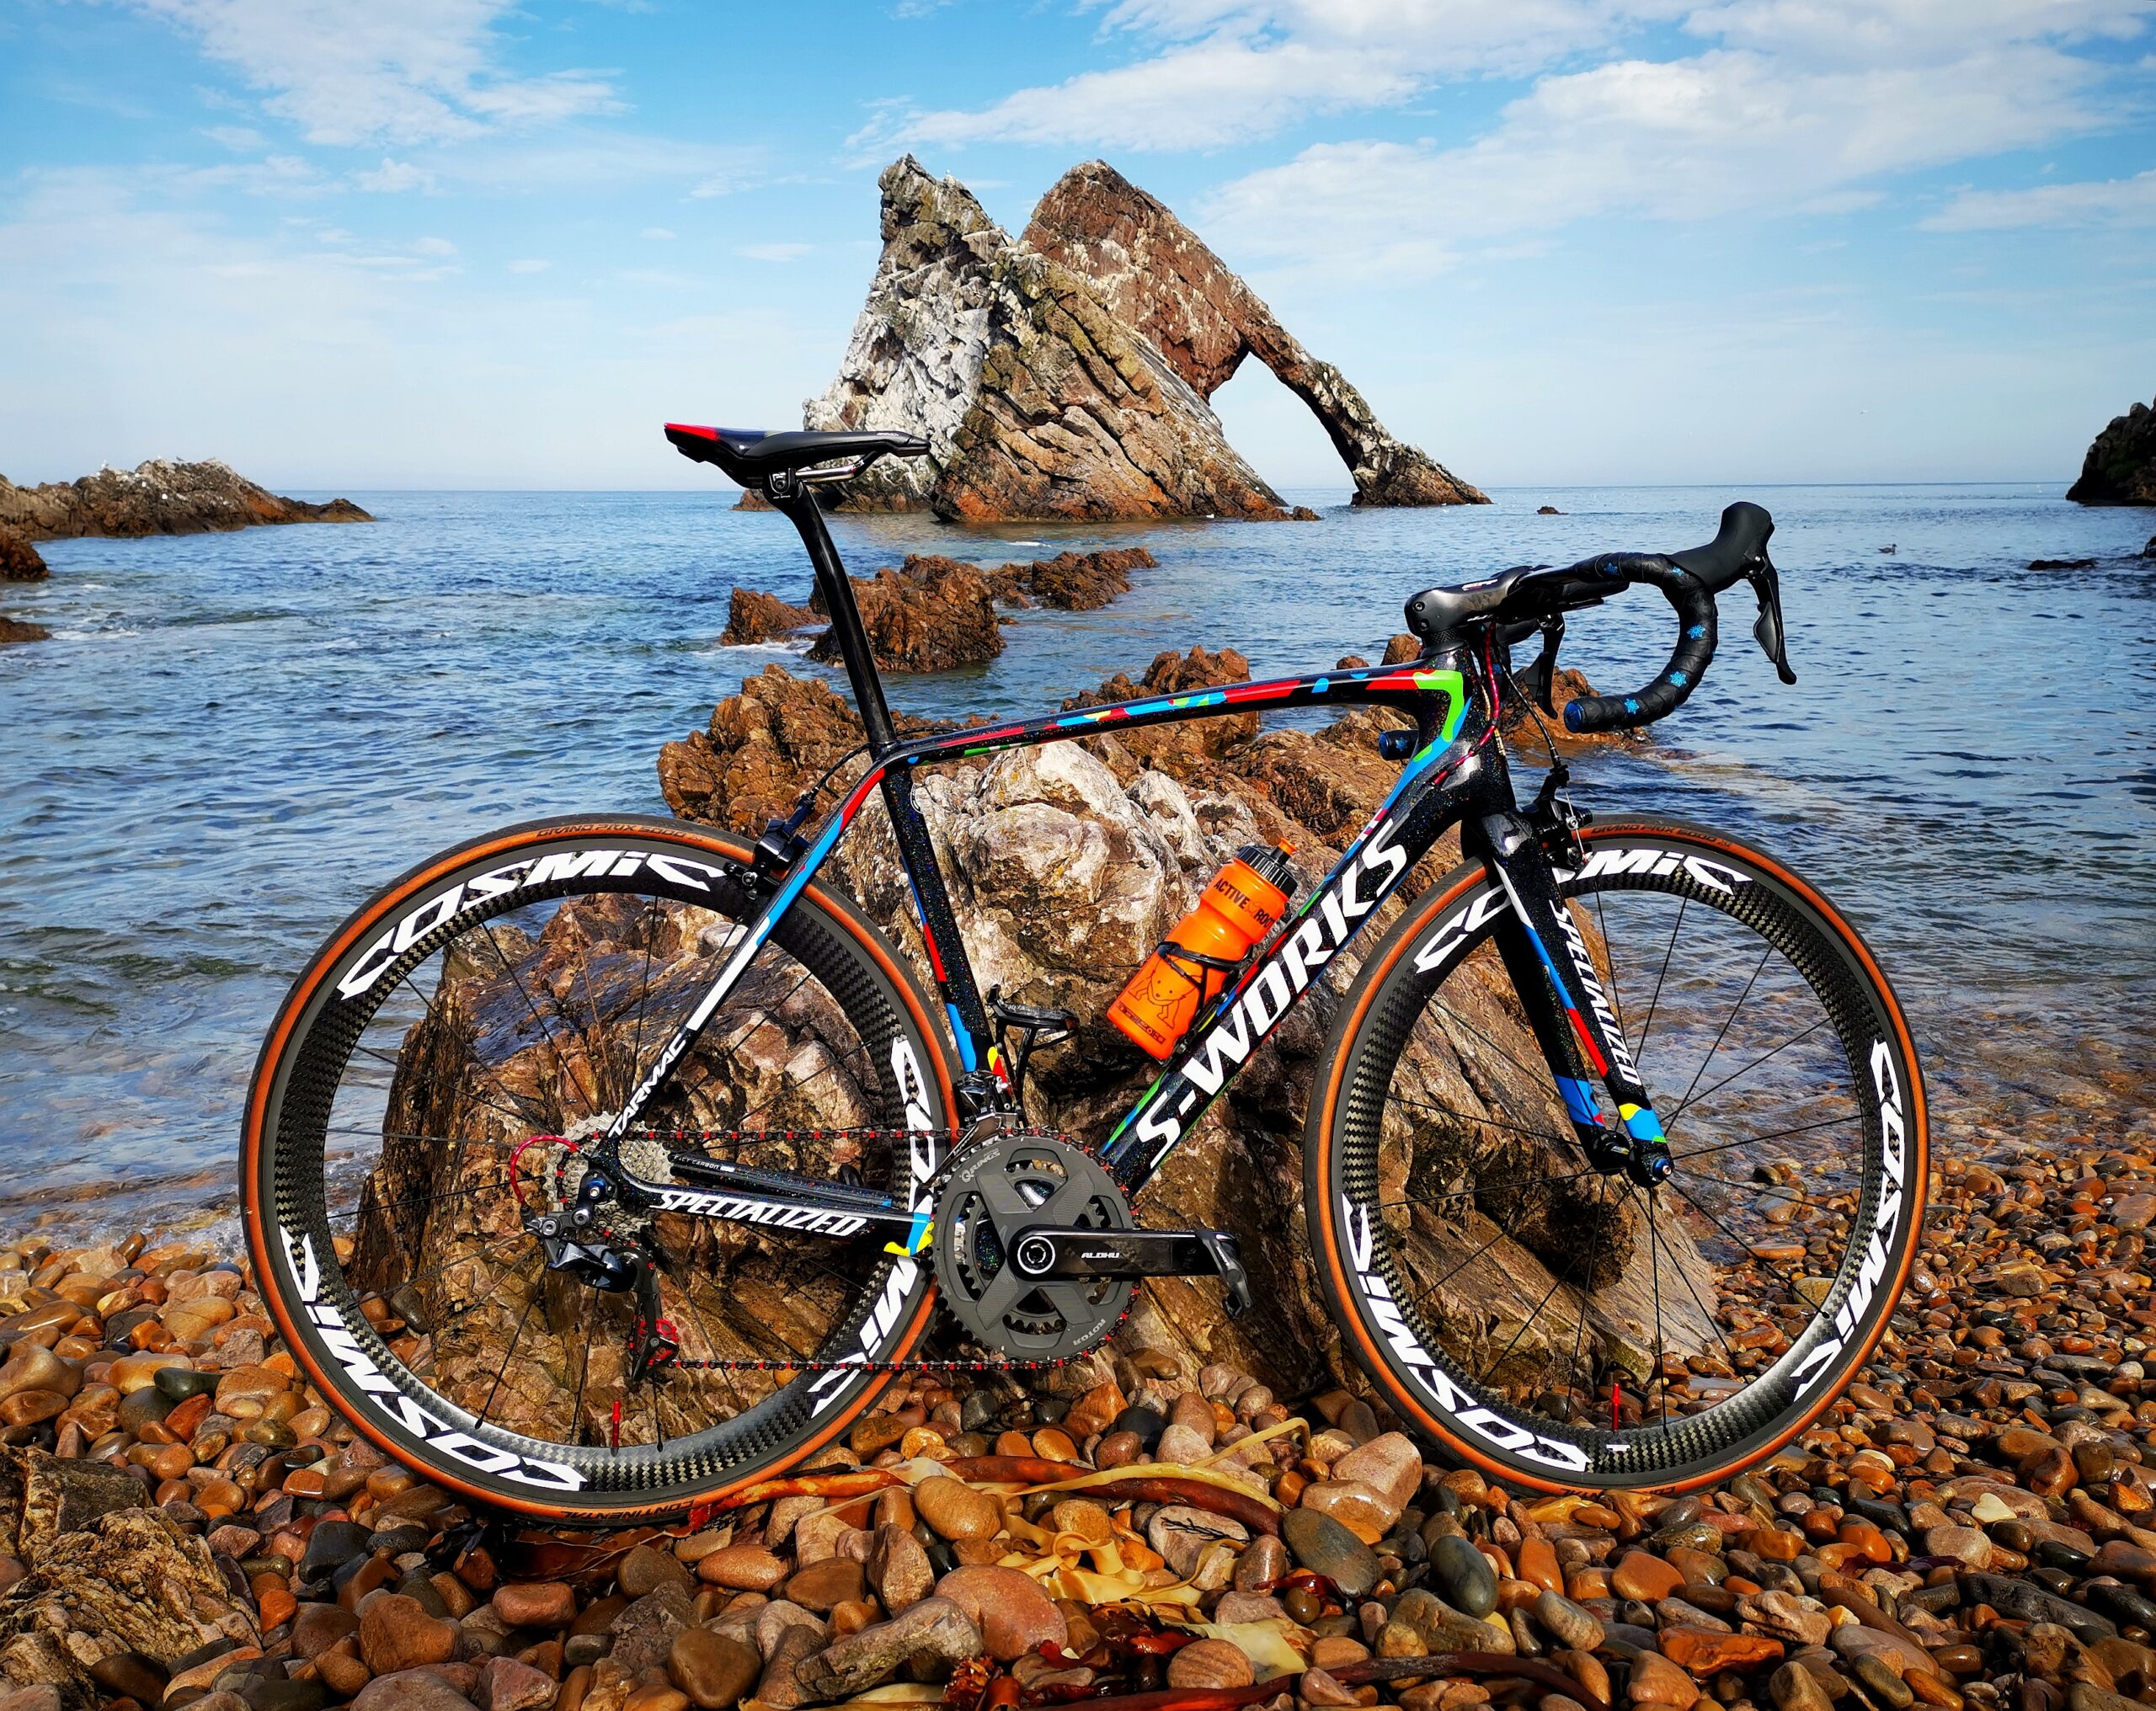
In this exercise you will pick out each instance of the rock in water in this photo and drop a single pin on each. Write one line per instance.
(20, 629)
(1037, 400)
(158, 497)
(931, 614)
(1158, 277)
(19, 561)
(754, 616)
(2121, 466)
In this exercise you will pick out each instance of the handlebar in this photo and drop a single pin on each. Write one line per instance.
(1522, 602)
(1694, 602)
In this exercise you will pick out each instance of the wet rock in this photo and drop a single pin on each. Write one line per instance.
(1464, 1579)
(754, 616)
(1322, 1545)
(1199, 1545)
(1073, 582)
(396, 1634)
(956, 1511)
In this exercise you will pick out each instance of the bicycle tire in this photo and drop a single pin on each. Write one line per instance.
(1856, 1182)
(406, 977)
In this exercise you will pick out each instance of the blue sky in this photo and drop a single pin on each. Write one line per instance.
(462, 243)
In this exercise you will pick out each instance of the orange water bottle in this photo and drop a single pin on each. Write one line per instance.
(1244, 903)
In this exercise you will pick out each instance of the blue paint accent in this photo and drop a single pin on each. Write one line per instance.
(1678, 679)
(1321, 685)
(1579, 1101)
(1631, 704)
(1696, 632)
(964, 1039)
(1643, 1125)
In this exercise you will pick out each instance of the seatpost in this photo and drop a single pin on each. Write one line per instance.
(798, 501)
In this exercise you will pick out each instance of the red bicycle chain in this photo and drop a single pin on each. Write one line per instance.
(984, 1365)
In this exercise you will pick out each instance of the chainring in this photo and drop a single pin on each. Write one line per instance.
(997, 1188)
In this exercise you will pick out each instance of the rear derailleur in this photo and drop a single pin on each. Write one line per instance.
(575, 1244)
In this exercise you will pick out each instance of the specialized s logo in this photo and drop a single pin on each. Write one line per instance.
(380, 1390)
(1384, 1314)
(1893, 1137)
(566, 865)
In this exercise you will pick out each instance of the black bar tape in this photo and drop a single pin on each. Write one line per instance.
(1694, 604)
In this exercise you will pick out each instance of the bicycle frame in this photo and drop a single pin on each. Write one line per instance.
(1456, 775)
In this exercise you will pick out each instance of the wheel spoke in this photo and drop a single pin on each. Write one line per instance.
(1646, 1028)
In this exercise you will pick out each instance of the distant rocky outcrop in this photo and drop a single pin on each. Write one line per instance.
(12, 630)
(157, 498)
(2121, 466)
(754, 616)
(19, 561)
(1068, 376)
(1071, 582)
(1159, 277)
(1037, 401)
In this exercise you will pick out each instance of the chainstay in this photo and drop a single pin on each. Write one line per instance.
(956, 1147)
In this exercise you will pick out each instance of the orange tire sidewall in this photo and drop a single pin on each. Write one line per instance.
(841, 913)
(1333, 1269)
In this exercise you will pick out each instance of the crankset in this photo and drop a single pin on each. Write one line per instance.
(1036, 1254)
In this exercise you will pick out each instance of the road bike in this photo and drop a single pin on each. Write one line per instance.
(599, 1168)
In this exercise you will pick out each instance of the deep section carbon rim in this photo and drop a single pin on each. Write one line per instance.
(443, 1079)
(1573, 1324)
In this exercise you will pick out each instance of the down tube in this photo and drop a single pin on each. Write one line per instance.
(1421, 805)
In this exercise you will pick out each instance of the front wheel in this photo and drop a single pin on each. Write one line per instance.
(1568, 1330)
(427, 1089)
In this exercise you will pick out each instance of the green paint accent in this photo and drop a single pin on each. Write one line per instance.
(1454, 687)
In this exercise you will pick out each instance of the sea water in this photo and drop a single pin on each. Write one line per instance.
(232, 739)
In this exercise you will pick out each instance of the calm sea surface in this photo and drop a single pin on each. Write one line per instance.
(232, 738)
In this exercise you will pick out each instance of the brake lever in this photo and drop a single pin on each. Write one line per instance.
(1539, 679)
(1767, 584)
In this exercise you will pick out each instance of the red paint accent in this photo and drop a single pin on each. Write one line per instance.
(1616, 1417)
(1579, 1026)
(702, 432)
(617, 1423)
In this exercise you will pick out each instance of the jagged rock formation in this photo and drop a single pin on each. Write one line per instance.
(2120, 467)
(1037, 400)
(158, 497)
(1159, 277)
(19, 561)
(1066, 865)
(752, 616)
(21, 630)
(930, 615)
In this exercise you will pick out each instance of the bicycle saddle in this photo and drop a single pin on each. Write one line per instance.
(751, 456)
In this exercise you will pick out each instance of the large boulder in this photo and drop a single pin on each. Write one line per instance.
(158, 497)
(754, 616)
(19, 561)
(2121, 466)
(1158, 277)
(1037, 401)
(1066, 865)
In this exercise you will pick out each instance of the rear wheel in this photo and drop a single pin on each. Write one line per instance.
(434, 1075)
(1570, 1329)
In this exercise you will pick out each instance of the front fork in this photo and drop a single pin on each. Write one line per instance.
(1575, 1020)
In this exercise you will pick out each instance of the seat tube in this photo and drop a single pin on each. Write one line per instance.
(798, 501)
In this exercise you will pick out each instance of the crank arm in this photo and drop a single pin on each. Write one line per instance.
(1051, 1255)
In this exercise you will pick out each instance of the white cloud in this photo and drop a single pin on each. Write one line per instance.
(434, 245)
(2108, 202)
(1226, 73)
(239, 138)
(1796, 119)
(657, 234)
(394, 71)
(392, 176)
(774, 252)
(529, 264)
